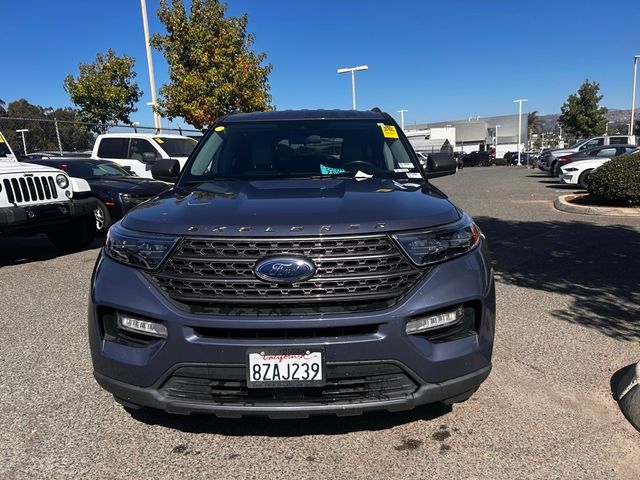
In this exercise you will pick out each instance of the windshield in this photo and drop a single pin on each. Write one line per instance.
(176, 147)
(4, 149)
(580, 142)
(80, 169)
(320, 148)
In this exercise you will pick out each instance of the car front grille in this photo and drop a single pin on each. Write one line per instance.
(30, 189)
(362, 269)
(346, 384)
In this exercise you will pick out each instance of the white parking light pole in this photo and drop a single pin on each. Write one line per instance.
(22, 131)
(633, 93)
(497, 127)
(353, 71)
(152, 81)
(402, 112)
(519, 102)
(606, 128)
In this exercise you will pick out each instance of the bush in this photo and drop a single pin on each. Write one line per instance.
(499, 161)
(617, 181)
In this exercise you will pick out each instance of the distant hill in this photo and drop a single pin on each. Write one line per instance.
(618, 117)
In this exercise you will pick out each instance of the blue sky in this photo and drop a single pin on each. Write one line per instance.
(440, 60)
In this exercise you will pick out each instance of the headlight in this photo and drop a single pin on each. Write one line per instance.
(439, 244)
(129, 199)
(138, 249)
(62, 181)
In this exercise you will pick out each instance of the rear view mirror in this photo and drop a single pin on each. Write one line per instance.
(166, 170)
(440, 165)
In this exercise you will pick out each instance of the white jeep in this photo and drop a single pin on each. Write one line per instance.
(36, 199)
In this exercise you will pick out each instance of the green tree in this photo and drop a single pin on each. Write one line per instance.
(534, 123)
(212, 68)
(581, 115)
(105, 90)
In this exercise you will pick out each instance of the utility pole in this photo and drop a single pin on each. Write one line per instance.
(497, 127)
(353, 71)
(519, 102)
(633, 94)
(402, 112)
(152, 81)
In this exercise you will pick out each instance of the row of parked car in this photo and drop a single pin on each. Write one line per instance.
(71, 197)
(574, 165)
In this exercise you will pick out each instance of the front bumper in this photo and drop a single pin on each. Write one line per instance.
(33, 217)
(569, 178)
(444, 371)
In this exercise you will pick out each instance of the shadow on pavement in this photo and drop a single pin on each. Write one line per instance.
(597, 265)
(18, 250)
(262, 426)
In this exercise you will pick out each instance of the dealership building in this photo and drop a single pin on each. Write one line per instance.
(471, 134)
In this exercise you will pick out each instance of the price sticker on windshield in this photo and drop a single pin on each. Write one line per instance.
(389, 131)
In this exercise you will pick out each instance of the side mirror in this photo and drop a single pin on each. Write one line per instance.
(126, 168)
(440, 165)
(149, 157)
(166, 170)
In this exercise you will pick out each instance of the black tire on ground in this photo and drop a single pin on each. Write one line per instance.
(553, 168)
(103, 218)
(583, 181)
(74, 235)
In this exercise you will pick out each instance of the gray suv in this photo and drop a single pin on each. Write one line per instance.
(301, 264)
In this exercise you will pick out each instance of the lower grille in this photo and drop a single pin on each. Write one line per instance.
(346, 384)
(285, 333)
(30, 189)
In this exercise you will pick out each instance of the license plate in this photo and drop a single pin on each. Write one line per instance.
(285, 368)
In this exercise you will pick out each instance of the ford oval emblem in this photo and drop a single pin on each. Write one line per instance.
(284, 269)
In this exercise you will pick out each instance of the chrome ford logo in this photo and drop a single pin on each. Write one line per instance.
(284, 269)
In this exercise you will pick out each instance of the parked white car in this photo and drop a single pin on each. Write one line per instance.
(139, 151)
(577, 173)
(37, 199)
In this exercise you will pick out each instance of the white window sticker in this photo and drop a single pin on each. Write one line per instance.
(405, 165)
(414, 175)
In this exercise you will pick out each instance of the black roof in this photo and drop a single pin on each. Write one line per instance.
(278, 115)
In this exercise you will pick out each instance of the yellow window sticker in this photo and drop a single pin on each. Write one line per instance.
(1, 140)
(159, 140)
(389, 131)
(218, 129)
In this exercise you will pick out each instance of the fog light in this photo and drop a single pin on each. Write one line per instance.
(432, 322)
(137, 325)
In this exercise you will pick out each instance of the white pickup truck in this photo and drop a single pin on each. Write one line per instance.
(139, 151)
(37, 199)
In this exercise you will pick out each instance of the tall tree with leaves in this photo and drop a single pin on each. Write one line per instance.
(105, 89)
(582, 115)
(534, 123)
(212, 68)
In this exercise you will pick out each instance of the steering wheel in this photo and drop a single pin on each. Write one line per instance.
(355, 163)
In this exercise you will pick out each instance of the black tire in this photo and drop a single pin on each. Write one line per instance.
(103, 218)
(554, 169)
(74, 235)
(583, 180)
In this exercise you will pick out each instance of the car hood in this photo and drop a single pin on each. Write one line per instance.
(8, 167)
(590, 163)
(294, 208)
(130, 184)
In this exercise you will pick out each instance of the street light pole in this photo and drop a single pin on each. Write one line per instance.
(633, 94)
(497, 127)
(606, 128)
(152, 81)
(353, 71)
(519, 102)
(402, 112)
(22, 131)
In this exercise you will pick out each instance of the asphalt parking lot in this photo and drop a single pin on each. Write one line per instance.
(568, 310)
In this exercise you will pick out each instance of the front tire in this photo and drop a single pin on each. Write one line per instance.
(74, 235)
(583, 180)
(103, 218)
(555, 169)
